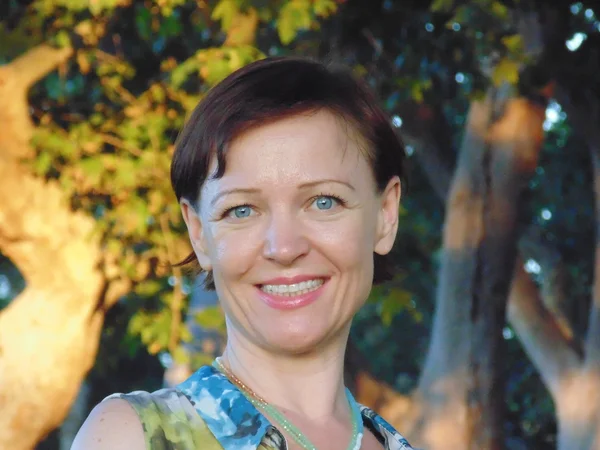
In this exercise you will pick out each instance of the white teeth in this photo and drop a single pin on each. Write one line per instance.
(289, 290)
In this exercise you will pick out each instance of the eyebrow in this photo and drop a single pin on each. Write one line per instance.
(256, 191)
(232, 191)
(326, 181)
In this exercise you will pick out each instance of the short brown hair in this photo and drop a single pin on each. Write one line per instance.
(272, 89)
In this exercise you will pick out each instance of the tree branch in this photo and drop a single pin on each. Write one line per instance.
(36, 63)
(553, 289)
(592, 343)
(548, 341)
(15, 80)
(538, 331)
(38, 230)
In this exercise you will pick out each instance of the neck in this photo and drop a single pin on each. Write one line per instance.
(311, 385)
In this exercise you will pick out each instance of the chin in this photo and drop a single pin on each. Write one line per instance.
(297, 340)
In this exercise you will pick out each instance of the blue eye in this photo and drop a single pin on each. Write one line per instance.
(241, 212)
(325, 202)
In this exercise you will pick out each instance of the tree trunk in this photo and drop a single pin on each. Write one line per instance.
(568, 369)
(50, 332)
(578, 399)
(459, 401)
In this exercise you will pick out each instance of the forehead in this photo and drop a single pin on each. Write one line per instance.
(305, 145)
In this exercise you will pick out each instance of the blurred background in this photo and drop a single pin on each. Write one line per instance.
(488, 337)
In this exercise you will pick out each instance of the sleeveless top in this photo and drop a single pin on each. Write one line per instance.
(208, 412)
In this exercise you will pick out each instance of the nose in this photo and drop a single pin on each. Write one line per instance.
(285, 241)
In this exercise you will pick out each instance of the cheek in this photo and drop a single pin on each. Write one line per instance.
(233, 251)
(350, 242)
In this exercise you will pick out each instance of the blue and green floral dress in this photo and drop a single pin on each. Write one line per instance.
(208, 412)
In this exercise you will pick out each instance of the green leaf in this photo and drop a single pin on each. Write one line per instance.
(93, 170)
(185, 334)
(442, 5)
(225, 11)
(513, 43)
(114, 247)
(126, 175)
(215, 70)
(181, 355)
(418, 88)
(180, 74)
(294, 16)
(461, 15)
(143, 22)
(417, 93)
(171, 26)
(148, 288)
(137, 323)
(156, 201)
(211, 318)
(43, 163)
(391, 305)
(324, 8)
(500, 10)
(201, 359)
(62, 39)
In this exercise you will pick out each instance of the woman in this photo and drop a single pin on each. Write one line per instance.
(289, 179)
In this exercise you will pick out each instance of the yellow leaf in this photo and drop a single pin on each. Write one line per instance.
(294, 16)
(324, 8)
(507, 71)
(83, 28)
(154, 348)
(243, 29)
(156, 200)
(416, 92)
(514, 43)
(235, 60)
(204, 72)
(225, 11)
(82, 61)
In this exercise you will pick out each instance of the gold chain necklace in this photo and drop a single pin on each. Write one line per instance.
(299, 437)
(229, 374)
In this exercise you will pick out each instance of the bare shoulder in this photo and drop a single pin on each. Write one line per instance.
(113, 425)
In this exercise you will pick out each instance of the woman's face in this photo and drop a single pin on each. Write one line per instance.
(290, 229)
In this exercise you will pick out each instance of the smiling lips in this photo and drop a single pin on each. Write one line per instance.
(291, 290)
(291, 293)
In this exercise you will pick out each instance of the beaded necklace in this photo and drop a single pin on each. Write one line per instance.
(293, 431)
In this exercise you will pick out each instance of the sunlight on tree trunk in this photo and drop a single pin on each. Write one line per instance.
(458, 403)
(578, 397)
(50, 332)
(568, 370)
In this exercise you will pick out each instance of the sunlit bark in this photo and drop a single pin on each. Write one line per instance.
(459, 400)
(578, 400)
(50, 332)
(568, 369)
